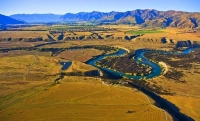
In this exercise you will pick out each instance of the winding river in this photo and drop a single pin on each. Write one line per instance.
(156, 69)
(139, 57)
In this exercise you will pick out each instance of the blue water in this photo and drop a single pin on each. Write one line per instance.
(92, 62)
(156, 69)
(188, 50)
(65, 65)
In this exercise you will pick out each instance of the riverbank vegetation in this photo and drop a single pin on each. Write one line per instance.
(181, 79)
(125, 65)
(183, 61)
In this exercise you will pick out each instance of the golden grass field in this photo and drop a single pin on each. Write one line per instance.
(21, 72)
(77, 66)
(120, 32)
(23, 34)
(14, 53)
(83, 98)
(188, 105)
(79, 55)
(187, 95)
(188, 91)
(18, 44)
(32, 63)
(25, 77)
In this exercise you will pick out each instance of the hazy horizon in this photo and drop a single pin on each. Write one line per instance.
(61, 7)
(95, 11)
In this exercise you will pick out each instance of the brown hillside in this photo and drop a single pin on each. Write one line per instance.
(145, 18)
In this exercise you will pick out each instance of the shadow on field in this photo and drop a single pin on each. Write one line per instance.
(164, 104)
(110, 75)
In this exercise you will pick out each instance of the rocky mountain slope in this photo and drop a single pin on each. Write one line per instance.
(142, 17)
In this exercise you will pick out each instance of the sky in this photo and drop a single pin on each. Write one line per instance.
(9, 7)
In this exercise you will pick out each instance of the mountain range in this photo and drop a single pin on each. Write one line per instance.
(37, 18)
(8, 20)
(144, 18)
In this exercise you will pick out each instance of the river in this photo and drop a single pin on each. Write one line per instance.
(139, 57)
(156, 71)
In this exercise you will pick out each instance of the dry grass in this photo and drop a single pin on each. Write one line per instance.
(79, 55)
(36, 28)
(20, 72)
(22, 64)
(189, 105)
(121, 43)
(14, 53)
(83, 33)
(190, 76)
(120, 31)
(76, 99)
(186, 93)
(23, 34)
(186, 96)
(175, 34)
(18, 44)
(79, 67)
(84, 99)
